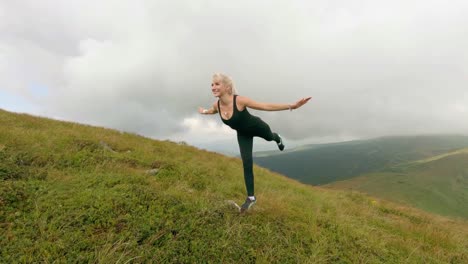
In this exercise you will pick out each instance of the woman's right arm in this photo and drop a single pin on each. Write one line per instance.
(210, 111)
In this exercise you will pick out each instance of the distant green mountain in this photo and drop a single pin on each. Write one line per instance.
(438, 184)
(72, 193)
(326, 163)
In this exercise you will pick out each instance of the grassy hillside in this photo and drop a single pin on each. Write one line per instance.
(326, 163)
(75, 193)
(438, 184)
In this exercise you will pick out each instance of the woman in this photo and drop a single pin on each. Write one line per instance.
(233, 112)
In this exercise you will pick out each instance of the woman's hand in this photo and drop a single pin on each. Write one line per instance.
(201, 110)
(300, 103)
(211, 111)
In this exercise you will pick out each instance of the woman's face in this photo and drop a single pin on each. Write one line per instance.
(218, 88)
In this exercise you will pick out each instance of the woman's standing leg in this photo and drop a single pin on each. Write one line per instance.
(245, 147)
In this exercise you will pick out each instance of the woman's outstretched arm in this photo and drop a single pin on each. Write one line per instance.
(209, 111)
(247, 102)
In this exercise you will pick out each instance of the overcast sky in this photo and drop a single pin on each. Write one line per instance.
(373, 67)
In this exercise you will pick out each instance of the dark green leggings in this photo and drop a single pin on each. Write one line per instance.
(245, 140)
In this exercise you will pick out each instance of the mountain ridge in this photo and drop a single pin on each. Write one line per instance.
(438, 184)
(326, 163)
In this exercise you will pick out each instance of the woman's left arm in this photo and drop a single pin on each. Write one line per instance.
(247, 102)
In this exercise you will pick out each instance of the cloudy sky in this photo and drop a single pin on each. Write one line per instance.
(373, 67)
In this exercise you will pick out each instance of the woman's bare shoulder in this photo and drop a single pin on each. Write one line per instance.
(242, 99)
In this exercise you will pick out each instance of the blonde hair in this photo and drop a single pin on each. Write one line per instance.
(226, 80)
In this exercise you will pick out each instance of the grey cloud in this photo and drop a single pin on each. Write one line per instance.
(373, 67)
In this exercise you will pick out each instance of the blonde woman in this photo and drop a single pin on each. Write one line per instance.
(232, 109)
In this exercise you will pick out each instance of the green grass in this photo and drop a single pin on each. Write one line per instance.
(438, 184)
(81, 194)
